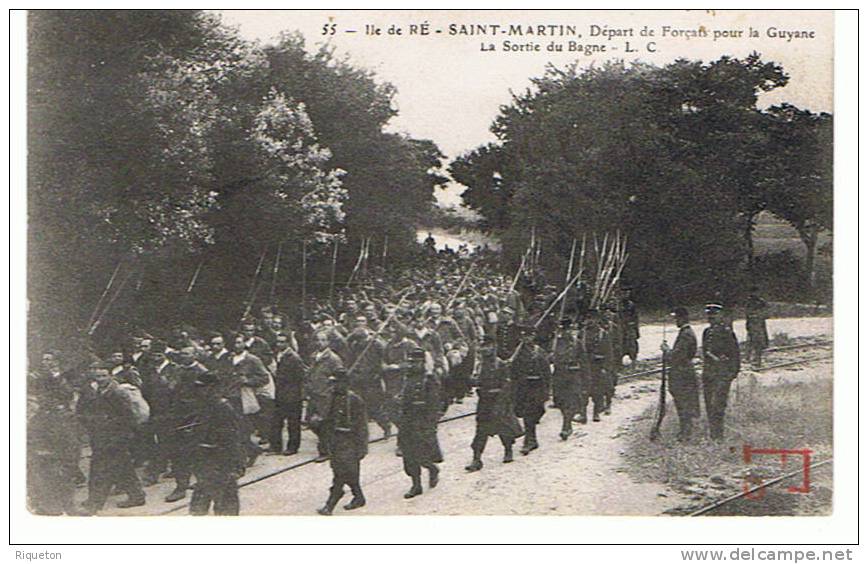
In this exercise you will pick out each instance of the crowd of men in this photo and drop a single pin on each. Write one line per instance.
(206, 405)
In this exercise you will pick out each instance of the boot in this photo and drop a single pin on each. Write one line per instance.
(334, 497)
(416, 488)
(355, 503)
(136, 501)
(433, 476)
(507, 454)
(387, 431)
(476, 464)
(177, 495)
(529, 441)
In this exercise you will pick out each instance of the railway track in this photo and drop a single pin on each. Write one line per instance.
(729, 500)
(300, 464)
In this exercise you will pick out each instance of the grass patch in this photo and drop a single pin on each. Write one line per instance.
(787, 415)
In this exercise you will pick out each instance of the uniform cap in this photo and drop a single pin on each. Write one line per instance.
(713, 308)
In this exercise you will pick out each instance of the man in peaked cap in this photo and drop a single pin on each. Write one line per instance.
(721, 363)
(346, 426)
(417, 428)
(531, 379)
(682, 377)
(566, 379)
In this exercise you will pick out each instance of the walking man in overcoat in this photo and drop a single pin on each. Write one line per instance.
(721, 363)
(417, 430)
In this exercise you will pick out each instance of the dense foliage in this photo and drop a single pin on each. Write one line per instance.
(678, 157)
(163, 141)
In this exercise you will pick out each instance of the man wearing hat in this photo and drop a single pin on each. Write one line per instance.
(531, 379)
(417, 428)
(592, 357)
(629, 318)
(183, 398)
(324, 362)
(566, 381)
(106, 414)
(346, 427)
(721, 363)
(494, 411)
(682, 377)
(217, 457)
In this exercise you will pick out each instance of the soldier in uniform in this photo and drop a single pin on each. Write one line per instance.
(755, 321)
(592, 363)
(629, 317)
(612, 350)
(346, 426)
(217, 457)
(531, 379)
(494, 411)
(566, 380)
(417, 430)
(682, 377)
(721, 363)
(508, 334)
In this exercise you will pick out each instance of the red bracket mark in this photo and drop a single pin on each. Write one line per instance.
(805, 453)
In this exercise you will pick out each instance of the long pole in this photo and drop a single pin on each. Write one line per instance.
(195, 277)
(334, 266)
(109, 304)
(567, 281)
(303, 277)
(380, 329)
(104, 293)
(458, 289)
(253, 285)
(274, 271)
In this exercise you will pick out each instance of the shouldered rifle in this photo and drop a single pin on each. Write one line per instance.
(661, 400)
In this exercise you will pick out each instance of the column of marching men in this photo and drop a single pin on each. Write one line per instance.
(199, 409)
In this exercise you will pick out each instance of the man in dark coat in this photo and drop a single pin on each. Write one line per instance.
(248, 374)
(494, 410)
(346, 426)
(755, 322)
(288, 397)
(417, 430)
(318, 391)
(217, 457)
(367, 352)
(52, 441)
(566, 379)
(531, 380)
(109, 420)
(183, 397)
(721, 363)
(592, 361)
(682, 377)
(629, 318)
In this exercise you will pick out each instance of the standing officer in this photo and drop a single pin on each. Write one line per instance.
(629, 317)
(417, 430)
(494, 411)
(346, 426)
(755, 321)
(721, 363)
(217, 457)
(682, 377)
(531, 377)
(566, 382)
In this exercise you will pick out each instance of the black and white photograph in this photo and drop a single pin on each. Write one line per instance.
(343, 264)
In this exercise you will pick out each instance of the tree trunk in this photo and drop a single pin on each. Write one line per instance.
(748, 239)
(808, 233)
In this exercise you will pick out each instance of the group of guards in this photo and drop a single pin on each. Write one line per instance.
(195, 406)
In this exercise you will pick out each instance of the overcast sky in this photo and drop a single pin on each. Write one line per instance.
(449, 91)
